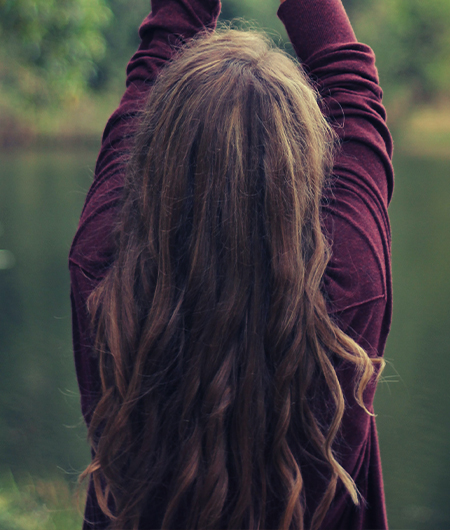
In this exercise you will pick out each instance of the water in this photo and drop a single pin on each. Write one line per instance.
(41, 431)
(414, 412)
(40, 422)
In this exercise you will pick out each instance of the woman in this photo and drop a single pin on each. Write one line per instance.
(231, 303)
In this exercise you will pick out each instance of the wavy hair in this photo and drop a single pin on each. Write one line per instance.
(212, 330)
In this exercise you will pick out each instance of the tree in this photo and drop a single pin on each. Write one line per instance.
(121, 39)
(49, 48)
(53, 50)
(411, 39)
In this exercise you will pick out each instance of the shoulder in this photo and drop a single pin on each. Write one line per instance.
(357, 281)
(359, 266)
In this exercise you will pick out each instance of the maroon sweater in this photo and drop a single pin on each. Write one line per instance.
(358, 278)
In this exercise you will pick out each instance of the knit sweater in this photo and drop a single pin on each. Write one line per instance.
(354, 217)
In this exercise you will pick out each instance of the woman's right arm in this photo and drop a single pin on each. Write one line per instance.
(355, 206)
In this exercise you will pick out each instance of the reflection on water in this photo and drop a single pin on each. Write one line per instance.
(40, 423)
(7, 259)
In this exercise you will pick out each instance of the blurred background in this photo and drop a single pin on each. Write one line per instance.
(62, 71)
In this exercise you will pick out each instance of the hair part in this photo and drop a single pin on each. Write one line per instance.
(211, 325)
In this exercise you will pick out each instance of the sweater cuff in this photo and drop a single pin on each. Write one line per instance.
(313, 25)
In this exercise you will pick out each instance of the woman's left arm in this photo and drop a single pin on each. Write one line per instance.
(170, 23)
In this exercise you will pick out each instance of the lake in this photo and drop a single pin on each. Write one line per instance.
(41, 430)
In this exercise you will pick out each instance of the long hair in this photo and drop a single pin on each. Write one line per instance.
(212, 330)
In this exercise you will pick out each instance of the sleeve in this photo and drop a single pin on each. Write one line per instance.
(357, 281)
(355, 219)
(170, 23)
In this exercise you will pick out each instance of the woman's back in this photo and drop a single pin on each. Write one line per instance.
(217, 388)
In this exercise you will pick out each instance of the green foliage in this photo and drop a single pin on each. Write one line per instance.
(261, 11)
(121, 39)
(39, 505)
(412, 41)
(49, 47)
(54, 50)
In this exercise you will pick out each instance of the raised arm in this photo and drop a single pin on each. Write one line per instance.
(347, 79)
(170, 23)
(355, 207)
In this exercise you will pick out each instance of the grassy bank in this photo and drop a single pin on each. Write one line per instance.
(37, 504)
(80, 122)
(426, 131)
(423, 131)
